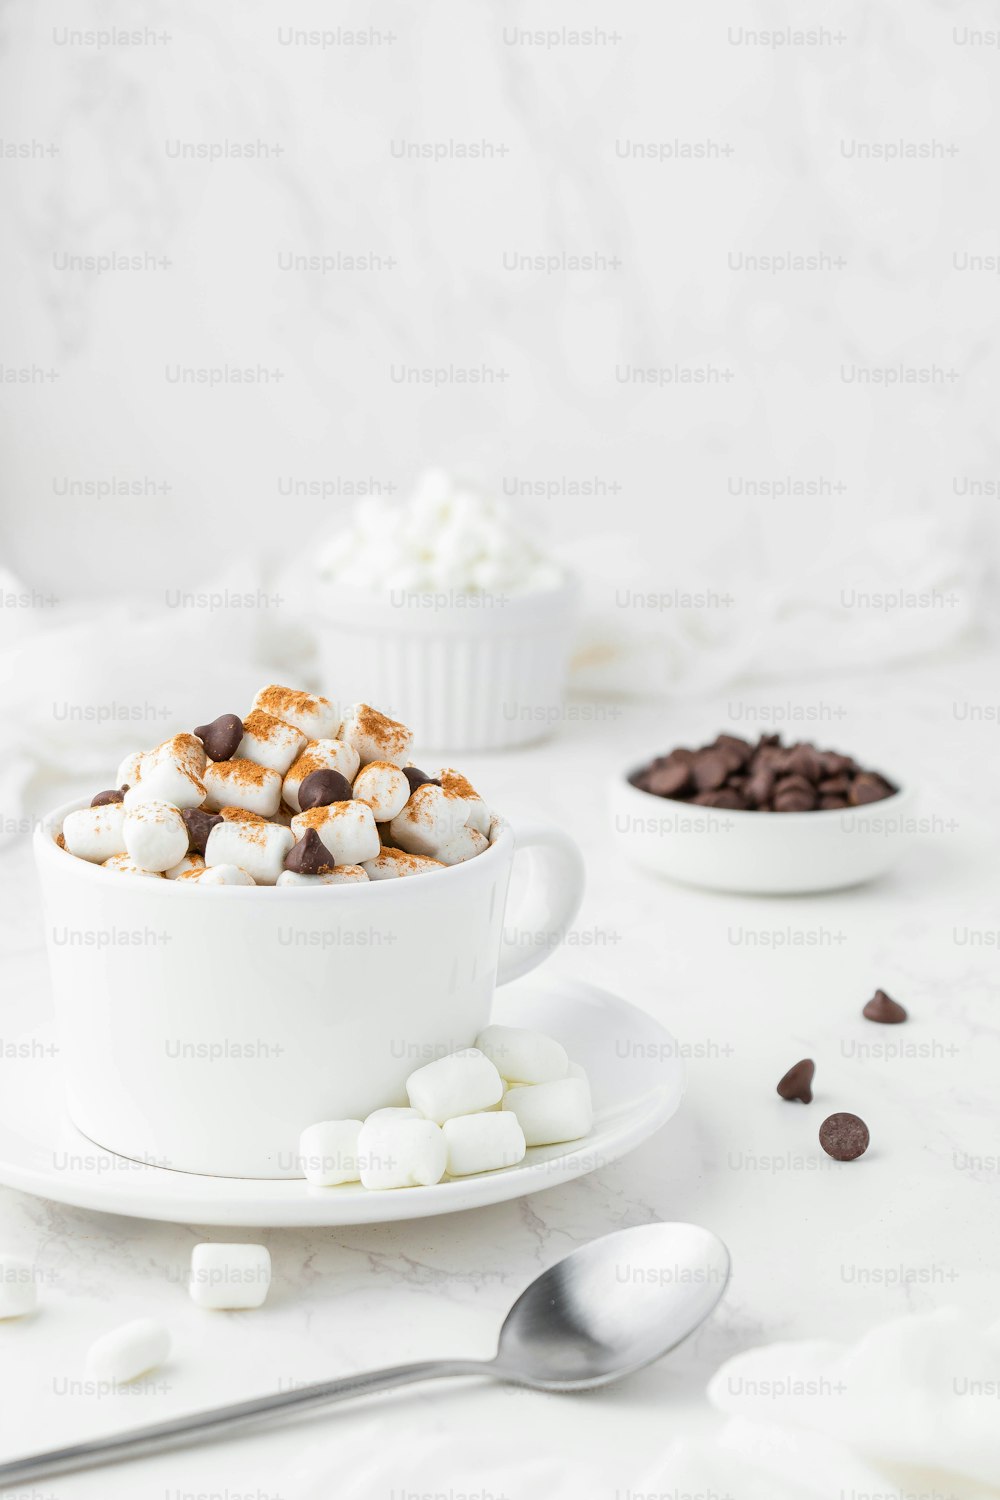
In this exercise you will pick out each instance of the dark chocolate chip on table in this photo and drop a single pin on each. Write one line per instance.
(420, 778)
(309, 856)
(116, 794)
(844, 1137)
(199, 825)
(882, 1008)
(222, 737)
(320, 788)
(797, 1082)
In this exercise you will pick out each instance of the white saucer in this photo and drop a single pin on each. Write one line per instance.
(636, 1077)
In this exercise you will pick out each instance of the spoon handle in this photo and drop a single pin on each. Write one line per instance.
(179, 1431)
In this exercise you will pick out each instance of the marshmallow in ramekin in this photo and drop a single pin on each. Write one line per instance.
(242, 783)
(186, 749)
(155, 835)
(270, 742)
(124, 864)
(430, 819)
(458, 787)
(251, 842)
(374, 736)
(342, 875)
(191, 864)
(95, 833)
(346, 828)
(222, 875)
(384, 787)
(166, 780)
(128, 771)
(316, 717)
(319, 755)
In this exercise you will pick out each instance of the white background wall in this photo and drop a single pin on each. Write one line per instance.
(557, 118)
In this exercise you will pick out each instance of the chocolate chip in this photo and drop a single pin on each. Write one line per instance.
(828, 804)
(797, 1082)
(320, 788)
(869, 788)
(760, 785)
(420, 778)
(199, 825)
(222, 737)
(844, 1137)
(794, 801)
(309, 856)
(668, 780)
(710, 769)
(102, 799)
(882, 1008)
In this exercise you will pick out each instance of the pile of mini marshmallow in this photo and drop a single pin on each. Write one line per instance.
(294, 794)
(472, 1111)
(448, 535)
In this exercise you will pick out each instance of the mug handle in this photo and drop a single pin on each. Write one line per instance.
(554, 892)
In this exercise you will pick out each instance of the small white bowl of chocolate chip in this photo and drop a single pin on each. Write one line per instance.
(761, 817)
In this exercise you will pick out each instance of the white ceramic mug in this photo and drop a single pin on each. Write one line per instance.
(203, 1029)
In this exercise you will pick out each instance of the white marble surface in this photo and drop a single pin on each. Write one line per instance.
(819, 1249)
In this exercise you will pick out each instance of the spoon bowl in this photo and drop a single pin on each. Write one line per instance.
(613, 1306)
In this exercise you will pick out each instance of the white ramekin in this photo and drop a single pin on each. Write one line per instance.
(204, 1028)
(465, 671)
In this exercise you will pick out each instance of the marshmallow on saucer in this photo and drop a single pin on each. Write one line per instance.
(328, 1152)
(242, 783)
(374, 736)
(483, 1143)
(400, 1153)
(319, 755)
(395, 1112)
(552, 1112)
(18, 1293)
(455, 785)
(191, 864)
(346, 828)
(95, 833)
(384, 787)
(229, 1276)
(128, 1351)
(155, 834)
(251, 842)
(522, 1055)
(393, 864)
(316, 717)
(460, 1084)
(222, 875)
(342, 875)
(165, 780)
(124, 864)
(269, 742)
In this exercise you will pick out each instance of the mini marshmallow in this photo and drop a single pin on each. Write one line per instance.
(394, 864)
(128, 771)
(124, 864)
(319, 755)
(269, 742)
(242, 783)
(229, 1276)
(128, 1351)
(399, 1153)
(464, 844)
(346, 828)
(454, 784)
(460, 1084)
(521, 1055)
(156, 835)
(18, 1292)
(552, 1112)
(223, 875)
(186, 750)
(483, 1143)
(342, 875)
(252, 843)
(191, 864)
(384, 787)
(95, 833)
(166, 781)
(316, 717)
(374, 736)
(328, 1152)
(428, 821)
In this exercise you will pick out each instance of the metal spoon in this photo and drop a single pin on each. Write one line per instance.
(611, 1307)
